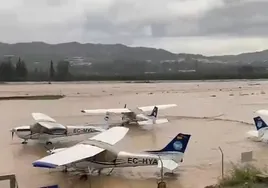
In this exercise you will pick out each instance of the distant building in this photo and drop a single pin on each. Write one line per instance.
(78, 61)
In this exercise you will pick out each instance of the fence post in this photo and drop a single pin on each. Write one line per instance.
(222, 163)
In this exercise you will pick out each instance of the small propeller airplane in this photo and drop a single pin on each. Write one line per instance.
(261, 134)
(98, 152)
(46, 129)
(135, 116)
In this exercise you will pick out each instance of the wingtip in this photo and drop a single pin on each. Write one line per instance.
(43, 164)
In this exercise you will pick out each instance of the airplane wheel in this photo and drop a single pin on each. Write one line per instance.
(83, 177)
(48, 143)
(24, 142)
(161, 185)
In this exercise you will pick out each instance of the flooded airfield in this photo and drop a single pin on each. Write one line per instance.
(214, 113)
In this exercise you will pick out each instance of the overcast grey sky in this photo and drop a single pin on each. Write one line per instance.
(184, 26)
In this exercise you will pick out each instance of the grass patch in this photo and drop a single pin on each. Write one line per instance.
(240, 175)
(243, 176)
(33, 97)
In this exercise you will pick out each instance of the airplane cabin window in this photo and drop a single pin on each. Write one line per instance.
(58, 131)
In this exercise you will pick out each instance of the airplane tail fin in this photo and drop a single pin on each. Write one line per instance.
(177, 145)
(154, 113)
(173, 152)
(259, 123)
(261, 126)
(152, 119)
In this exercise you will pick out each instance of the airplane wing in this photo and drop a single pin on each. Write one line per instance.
(51, 125)
(42, 117)
(104, 111)
(160, 107)
(112, 135)
(82, 150)
(67, 156)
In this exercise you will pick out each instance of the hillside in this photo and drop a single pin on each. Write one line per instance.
(43, 52)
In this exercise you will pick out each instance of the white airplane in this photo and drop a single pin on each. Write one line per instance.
(46, 129)
(261, 134)
(98, 152)
(136, 116)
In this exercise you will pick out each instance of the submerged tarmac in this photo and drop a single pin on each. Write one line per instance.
(214, 113)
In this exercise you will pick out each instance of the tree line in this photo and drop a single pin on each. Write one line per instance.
(62, 71)
(20, 72)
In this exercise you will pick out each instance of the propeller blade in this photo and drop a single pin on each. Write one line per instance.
(48, 150)
(12, 133)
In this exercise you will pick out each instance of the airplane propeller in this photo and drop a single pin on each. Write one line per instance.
(12, 133)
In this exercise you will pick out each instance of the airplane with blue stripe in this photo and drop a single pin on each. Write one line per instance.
(98, 152)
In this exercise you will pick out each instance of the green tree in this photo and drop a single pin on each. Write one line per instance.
(63, 72)
(51, 71)
(7, 71)
(21, 70)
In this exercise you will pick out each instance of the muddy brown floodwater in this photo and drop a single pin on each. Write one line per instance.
(228, 108)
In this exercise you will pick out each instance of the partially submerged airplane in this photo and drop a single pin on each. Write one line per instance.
(46, 128)
(261, 134)
(136, 116)
(98, 152)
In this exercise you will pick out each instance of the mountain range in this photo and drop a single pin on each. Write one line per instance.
(42, 52)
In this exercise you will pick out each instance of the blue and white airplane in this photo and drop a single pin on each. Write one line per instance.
(261, 134)
(98, 152)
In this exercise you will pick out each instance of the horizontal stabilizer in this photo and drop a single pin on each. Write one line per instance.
(160, 107)
(168, 164)
(104, 111)
(151, 122)
(42, 117)
(252, 133)
(262, 112)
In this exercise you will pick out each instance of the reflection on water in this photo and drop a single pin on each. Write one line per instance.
(213, 121)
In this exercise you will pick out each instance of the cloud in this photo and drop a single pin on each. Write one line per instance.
(193, 26)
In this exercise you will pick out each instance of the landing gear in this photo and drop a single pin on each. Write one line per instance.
(48, 143)
(65, 170)
(83, 177)
(24, 142)
(110, 172)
